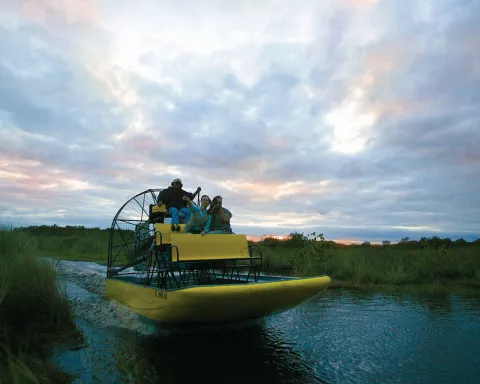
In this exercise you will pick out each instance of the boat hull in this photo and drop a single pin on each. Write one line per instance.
(216, 303)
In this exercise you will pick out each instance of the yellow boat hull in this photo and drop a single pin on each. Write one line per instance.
(216, 303)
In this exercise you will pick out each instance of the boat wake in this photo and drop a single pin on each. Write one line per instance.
(84, 285)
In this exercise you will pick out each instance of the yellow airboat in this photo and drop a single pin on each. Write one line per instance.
(173, 277)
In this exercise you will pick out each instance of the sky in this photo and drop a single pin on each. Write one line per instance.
(358, 119)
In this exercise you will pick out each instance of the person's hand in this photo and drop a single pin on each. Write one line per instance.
(199, 189)
(203, 233)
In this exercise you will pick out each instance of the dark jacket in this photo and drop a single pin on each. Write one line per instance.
(174, 198)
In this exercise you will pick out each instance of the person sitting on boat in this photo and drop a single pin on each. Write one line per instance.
(172, 197)
(220, 221)
(199, 219)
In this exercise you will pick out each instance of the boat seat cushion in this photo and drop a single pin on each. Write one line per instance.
(209, 247)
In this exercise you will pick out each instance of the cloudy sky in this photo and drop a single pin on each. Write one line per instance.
(359, 119)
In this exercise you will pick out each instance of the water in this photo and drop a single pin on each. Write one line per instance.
(339, 337)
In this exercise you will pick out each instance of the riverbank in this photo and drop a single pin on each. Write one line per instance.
(430, 263)
(35, 315)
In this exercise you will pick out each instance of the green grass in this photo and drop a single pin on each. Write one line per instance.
(34, 313)
(355, 266)
(431, 261)
(73, 243)
(87, 248)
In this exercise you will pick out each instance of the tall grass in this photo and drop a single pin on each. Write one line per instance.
(430, 260)
(86, 247)
(385, 265)
(74, 243)
(34, 313)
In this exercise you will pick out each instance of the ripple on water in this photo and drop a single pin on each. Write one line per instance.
(85, 287)
(339, 337)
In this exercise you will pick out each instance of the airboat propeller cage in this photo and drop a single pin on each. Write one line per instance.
(130, 229)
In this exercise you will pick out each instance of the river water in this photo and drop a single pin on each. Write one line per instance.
(341, 336)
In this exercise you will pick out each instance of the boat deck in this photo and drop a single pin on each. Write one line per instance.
(212, 279)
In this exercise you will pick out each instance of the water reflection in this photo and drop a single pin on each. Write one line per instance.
(253, 353)
(436, 303)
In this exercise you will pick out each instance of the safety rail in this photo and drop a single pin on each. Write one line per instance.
(168, 269)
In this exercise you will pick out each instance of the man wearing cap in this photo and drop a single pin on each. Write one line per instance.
(172, 197)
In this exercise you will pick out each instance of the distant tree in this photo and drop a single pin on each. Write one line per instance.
(386, 243)
(435, 242)
(424, 242)
(297, 238)
(365, 244)
(271, 241)
(404, 240)
(447, 242)
(461, 241)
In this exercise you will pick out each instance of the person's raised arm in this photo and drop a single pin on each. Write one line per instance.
(193, 195)
(191, 205)
(187, 199)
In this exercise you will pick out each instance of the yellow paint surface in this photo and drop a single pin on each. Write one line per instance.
(209, 247)
(216, 303)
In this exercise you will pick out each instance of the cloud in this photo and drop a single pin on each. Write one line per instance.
(48, 11)
(358, 119)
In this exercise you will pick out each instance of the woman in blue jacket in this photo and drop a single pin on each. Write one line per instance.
(199, 221)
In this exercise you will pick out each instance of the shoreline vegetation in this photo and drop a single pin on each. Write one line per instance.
(35, 315)
(433, 263)
(429, 264)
